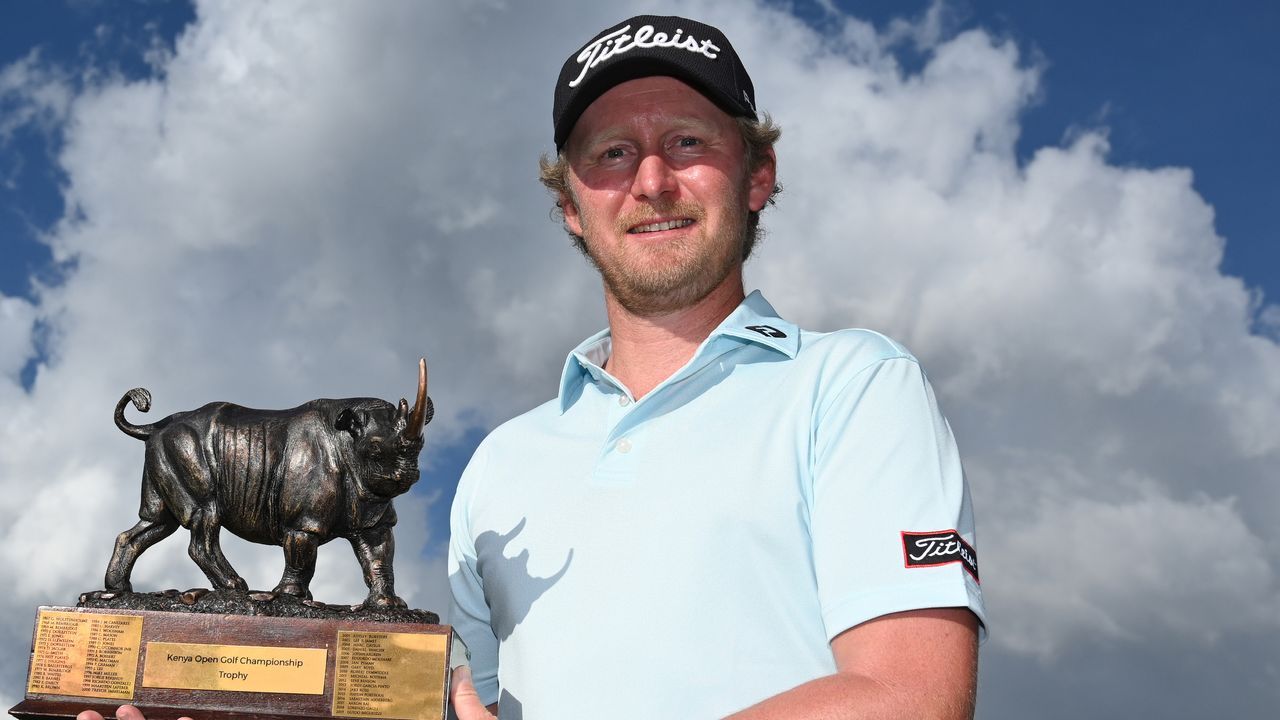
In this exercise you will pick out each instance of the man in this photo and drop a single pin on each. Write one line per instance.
(720, 514)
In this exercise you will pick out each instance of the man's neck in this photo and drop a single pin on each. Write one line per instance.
(649, 349)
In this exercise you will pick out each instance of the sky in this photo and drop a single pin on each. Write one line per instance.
(1061, 208)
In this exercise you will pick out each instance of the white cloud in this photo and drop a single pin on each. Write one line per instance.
(17, 345)
(1128, 569)
(311, 198)
(30, 93)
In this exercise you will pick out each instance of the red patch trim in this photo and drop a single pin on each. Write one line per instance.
(938, 547)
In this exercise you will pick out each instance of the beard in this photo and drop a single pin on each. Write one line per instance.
(673, 276)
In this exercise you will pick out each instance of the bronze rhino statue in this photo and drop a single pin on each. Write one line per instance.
(297, 478)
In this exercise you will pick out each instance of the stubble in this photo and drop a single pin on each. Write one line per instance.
(650, 281)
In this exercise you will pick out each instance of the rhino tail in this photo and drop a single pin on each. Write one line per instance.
(141, 400)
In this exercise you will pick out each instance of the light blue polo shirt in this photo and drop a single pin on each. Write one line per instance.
(692, 553)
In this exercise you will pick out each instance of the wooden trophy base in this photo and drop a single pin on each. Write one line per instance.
(220, 666)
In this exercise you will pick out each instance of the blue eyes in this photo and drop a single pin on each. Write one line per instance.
(618, 153)
(673, 145)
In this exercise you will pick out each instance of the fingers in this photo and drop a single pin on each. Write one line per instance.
(129, 712)
(466, 701)
(124, 712)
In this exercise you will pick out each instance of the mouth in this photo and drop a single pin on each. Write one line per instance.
(660, 226)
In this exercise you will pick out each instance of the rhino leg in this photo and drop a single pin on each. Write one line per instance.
(178, 472)
(129, 545)
(299, 563)
(375, 549)
(207, 551)
(155, 523)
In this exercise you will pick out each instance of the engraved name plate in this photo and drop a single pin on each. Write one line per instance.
(215, 666)
(238, 668)
(390, 675)
(85, 654)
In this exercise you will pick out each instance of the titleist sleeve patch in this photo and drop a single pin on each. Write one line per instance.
(941, 547)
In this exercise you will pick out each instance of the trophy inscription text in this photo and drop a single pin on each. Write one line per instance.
(237, 668)
(85, 654)
(390, 675)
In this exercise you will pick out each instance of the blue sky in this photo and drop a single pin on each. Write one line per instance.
(1185, 84)
(63, 32)
(301, 199)
(1181, 83)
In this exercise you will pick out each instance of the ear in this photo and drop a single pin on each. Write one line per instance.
(572, 219)
(762, 180)
(350, 421)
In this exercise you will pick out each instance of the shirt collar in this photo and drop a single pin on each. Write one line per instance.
(754, 321)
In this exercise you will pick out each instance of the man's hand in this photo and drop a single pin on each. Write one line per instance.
(124, 712)
(464, 698)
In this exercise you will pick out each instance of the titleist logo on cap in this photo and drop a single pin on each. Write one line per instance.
(619, 42)
(694, 53)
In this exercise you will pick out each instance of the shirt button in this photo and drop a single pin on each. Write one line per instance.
(623, 400)
(624, 446)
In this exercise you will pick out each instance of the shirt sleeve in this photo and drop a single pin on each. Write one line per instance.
(891, 518)
(468, 609)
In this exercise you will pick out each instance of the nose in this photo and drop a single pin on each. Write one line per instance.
(654, 178)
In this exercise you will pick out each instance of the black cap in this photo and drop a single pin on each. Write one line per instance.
(647, 45)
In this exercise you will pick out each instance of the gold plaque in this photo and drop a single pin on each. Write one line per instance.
(390, 675)
(238, 668)
(179, 663)
(85, 654)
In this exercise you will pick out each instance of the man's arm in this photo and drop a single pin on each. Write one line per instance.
(914, 665)
(468, 607)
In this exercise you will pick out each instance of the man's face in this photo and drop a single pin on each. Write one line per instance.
(659, 193)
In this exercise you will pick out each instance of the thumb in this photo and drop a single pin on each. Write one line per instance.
(466, 701)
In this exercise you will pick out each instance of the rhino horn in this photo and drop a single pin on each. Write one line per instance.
(418, 416)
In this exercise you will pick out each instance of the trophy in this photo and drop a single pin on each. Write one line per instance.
(295, 478)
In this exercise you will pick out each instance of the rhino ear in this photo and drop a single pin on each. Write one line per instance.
(350, 421)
